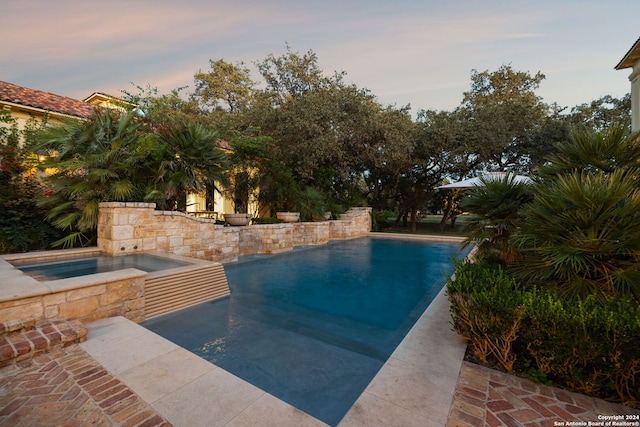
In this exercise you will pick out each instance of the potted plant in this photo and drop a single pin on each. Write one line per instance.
(280, 192)
(237, 219)
(324, 217)
(288, 216)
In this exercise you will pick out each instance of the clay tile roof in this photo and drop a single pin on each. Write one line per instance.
(44, 100)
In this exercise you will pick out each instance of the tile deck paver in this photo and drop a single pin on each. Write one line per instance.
(142, 379)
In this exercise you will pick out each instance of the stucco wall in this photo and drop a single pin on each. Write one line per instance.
(635, 97)
(23, 116)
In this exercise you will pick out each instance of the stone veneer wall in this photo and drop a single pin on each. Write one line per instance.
(265, 238)
(125, 228)
(111, 294)
(137, 227)
(355, 222)
(312, 233)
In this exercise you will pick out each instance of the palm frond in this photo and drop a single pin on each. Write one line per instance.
(121, 190)
(71, 240)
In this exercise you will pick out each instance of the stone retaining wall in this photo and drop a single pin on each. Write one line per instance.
(355, 222)
(88, 298)
(266, 238)
(314, 233)
(138, 227)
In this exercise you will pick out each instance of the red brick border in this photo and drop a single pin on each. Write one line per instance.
(23, 340)
(486, 397)
(68, 387)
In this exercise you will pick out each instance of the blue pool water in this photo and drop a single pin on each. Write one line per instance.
(313, 327)
(82, 266)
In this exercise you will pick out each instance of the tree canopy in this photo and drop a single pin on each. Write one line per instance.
(303, 131)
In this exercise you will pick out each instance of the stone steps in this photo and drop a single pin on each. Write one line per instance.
(20, 340)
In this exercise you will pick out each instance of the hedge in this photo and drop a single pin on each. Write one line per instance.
(587, 345)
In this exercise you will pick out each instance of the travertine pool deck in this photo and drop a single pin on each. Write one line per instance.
(414, 388)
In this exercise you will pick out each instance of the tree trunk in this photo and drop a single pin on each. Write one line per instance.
(447, 211)
(416, 202)
(414, 219)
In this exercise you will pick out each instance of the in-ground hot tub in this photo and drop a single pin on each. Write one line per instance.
(82, 265)
(88, 285)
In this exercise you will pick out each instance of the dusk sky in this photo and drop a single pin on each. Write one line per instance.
(404, 51)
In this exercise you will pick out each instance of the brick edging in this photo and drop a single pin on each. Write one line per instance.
(68, 387)
(23, 340)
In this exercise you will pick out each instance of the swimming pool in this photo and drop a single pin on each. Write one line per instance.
(313, 326)
(83, 265)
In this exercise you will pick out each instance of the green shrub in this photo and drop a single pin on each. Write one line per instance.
(380, 219)
(589, 345)
(487, 311)
(23, 226)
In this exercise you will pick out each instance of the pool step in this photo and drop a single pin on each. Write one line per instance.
(168, 293)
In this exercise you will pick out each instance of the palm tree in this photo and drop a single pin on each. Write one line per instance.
(117, 156)
(581, 235)
(192, 161)
(611, 149)
(496, 206)
(93, 161)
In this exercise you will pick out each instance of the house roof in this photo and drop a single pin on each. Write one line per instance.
(98, 96)
(631, 57)
(24, 96)
(102, 98)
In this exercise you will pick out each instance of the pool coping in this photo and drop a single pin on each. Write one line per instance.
(415, 387)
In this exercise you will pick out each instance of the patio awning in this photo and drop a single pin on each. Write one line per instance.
(491, 176)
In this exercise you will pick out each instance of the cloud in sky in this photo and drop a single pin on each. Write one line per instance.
(408, 51)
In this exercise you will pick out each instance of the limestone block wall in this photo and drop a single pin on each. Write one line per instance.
(136, 227)
(118, 293)
(266, 239)
(351, 224)
(311, 233)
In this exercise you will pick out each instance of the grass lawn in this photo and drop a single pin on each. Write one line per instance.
(430, 224)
